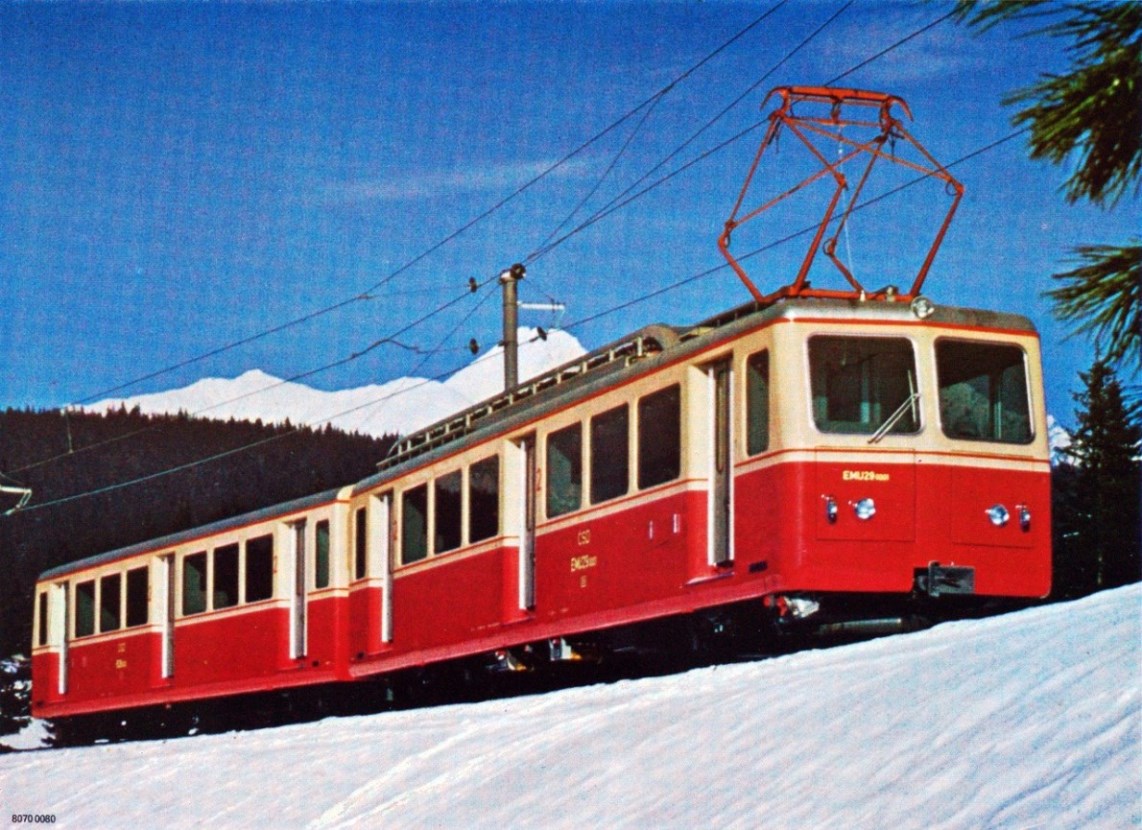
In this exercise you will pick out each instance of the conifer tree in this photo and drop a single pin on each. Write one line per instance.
(14, 690)
(1104, 505)
(1090, 114)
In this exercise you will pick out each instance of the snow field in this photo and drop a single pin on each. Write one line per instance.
(1028, 720)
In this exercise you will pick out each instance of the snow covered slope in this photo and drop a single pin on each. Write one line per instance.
(1028, 720)
(401, 406)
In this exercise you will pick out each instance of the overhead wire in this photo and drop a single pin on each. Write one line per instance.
(648, 104)
(618, 202)
(576, 324)
(432, 249)
(392, 339)
(787, 238)
(252, 445)
(654, 101)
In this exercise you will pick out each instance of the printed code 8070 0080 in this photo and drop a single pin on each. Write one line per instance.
(33, 818)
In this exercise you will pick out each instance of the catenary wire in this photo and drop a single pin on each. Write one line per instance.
(605, 312)
(432, 249)
(619, 201)
(389, 340)
(788, 238)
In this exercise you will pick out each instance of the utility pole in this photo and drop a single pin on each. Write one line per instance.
(509, 281)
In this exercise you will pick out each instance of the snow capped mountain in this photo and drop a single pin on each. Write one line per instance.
(400, 406)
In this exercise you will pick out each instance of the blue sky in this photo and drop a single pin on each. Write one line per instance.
(174, 178)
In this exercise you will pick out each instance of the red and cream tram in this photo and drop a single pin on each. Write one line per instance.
(816, 463)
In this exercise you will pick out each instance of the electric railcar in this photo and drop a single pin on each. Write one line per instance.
(813, 462)
(786, 462)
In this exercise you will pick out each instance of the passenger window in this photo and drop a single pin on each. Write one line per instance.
(42, 618)
(757, 403)
(610, 454)
(109, 605)
(484, 499)
(321, 575)
(564, 470)
(194, 584)
(85, 608)
(138, 586)
(361, 559)
(983, 392)
(448, 493)
(660, 437)
(259, 568)
(414, 524)
(225, 576)
(863, 385)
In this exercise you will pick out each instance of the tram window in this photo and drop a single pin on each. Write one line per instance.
(414, 524)
(194, 584)
(137, 589)
(361, 549)
(757, 403)
(321, 564)
(610, 454)
(225, 592)
(109, 602)
(85, 608)
(448, 492)
(259, 568)
(983, 391)
(862, 383)
(484, 499)
(660, 437)
(42, 621)
(564, 470)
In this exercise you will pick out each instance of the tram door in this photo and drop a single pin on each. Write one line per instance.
(527, 531)
(166, 603)
(63, 604)
(382, 539)
(721, 462)
(297, 640)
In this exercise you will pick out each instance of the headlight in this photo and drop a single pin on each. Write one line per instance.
(998, 515)
(865, 509)
(922, 307)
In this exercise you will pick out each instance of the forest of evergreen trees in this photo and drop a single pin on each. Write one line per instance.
(92, 451)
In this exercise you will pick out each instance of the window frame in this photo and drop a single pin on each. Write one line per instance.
(203, 589)
(425, 537)
(91, 618)
(249, 575)
(42, 618)
(230, 550)
(438, 484)
(575, 477)
(751, 400)
(322, 563)
(1028, 398)
(128, 594)
(643, 462)
(469, 489)
(360, 562)
(116, 620)
(595, 425)
(811, 377)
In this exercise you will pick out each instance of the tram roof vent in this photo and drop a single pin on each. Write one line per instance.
(642, 343)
